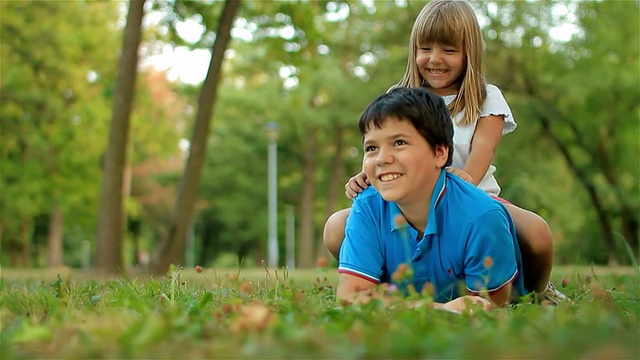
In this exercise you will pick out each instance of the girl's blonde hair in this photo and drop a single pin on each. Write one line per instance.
(451, 22)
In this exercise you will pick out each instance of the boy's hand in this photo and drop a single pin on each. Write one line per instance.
(356, 185)
(461, 174)
(462, 304)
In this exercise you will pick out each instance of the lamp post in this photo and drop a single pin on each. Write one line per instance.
(271, 128)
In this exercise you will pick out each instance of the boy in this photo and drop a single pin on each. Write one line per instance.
(443, 228)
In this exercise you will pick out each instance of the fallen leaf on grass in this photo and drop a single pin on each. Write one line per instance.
(246, 288)
(253, 317)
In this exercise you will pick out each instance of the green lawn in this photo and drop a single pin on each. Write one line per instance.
(253, 313)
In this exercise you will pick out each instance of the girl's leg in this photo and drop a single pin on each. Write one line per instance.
(536, 244)
(334, 231)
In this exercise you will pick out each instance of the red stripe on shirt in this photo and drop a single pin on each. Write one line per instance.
(442, 191)
(510, 281)
(358, 275)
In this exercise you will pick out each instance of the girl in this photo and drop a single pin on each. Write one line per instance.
(445, 55)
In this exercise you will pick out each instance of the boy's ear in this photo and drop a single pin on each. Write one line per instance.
(441, 153)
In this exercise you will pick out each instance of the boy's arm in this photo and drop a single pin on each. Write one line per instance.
(500, 297)
(492, 263)
(356, 290)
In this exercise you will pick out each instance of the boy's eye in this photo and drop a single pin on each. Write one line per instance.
(369, 148)
(400, 142)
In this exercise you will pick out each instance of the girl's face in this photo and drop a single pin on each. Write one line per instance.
(399, 162)
(441, 66)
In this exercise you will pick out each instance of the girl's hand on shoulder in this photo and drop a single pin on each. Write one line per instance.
(461, 174)
(356, 185)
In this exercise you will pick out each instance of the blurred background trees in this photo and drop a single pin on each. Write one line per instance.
(569, 70)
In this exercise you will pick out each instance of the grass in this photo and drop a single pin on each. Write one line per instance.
(268, 314)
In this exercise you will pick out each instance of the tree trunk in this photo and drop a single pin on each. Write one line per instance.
(630, 230)
(111, 211)
(306, 248)
(14, 254)
(135, 227)
(54, 238)
(171, 249)
(126, 192)
(25, 247)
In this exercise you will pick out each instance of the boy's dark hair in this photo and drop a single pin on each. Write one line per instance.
(425, 110)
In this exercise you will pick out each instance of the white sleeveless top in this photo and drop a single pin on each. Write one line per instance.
(494, 104)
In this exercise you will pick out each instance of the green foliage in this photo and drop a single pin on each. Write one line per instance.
(271, 314)
(576, 102)
(332, 86)
(312, 66)
(330, 94)
(56, 89)
(55, 109)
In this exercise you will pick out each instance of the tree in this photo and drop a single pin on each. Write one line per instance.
(53, 89)
(156, 161)
(171, 247)
(111, 211)
(583, 94)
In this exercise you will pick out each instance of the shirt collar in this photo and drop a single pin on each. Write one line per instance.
(436, 196)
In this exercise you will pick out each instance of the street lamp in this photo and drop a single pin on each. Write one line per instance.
(271, 128)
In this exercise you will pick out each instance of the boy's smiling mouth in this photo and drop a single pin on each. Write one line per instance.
(389, 177)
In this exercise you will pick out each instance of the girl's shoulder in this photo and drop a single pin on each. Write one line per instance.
(494, 97)
(496, 104)
(493, 91)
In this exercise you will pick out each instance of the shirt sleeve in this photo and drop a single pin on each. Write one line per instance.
(490, 260)
(361, 252)
(495, 104)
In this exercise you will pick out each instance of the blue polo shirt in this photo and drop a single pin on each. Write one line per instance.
(470, 242)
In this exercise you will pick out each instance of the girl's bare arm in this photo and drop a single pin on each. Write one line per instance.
(483, 146)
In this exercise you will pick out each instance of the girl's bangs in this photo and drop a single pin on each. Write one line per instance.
(440, 29)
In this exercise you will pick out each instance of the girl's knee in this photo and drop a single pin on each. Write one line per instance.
(334, 231)
(534, 233)
(540, 233)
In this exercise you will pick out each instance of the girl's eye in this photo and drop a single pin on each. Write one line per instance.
(369, 148)
(400, 142)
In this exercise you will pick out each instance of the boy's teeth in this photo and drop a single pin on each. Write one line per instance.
(389, 177)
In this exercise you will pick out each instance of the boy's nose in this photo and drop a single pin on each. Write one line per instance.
(384, 157)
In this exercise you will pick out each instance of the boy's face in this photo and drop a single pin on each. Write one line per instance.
(399, 162)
